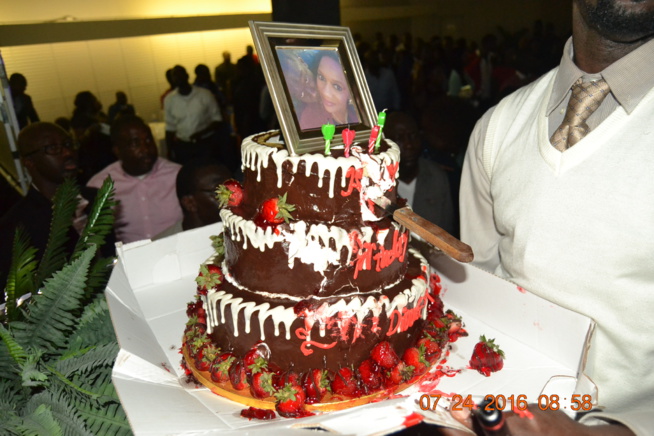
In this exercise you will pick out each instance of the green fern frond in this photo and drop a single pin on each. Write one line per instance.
(9, 419)
(12, 397)
(100, 220)
(110, 419)
(94, 327)
(40, 422)
(64, 411)
(16, 352)
(20, 280)
(54, 256)
(31, 371)
(51, 317)
(71, 384)
(9, 369)
(98, 276)
(89, 361)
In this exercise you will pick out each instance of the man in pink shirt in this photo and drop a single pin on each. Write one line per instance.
(144, 182)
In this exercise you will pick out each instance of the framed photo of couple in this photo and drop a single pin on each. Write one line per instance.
(314, 77)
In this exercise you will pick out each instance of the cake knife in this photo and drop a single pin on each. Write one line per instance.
(427, 230)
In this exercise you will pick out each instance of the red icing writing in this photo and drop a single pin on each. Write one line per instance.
(354, 176)
(403, 319)
(367, 253)
(302, 334)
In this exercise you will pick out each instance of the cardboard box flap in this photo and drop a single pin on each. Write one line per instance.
(544, 326)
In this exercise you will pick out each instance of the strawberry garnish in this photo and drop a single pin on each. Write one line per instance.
(261, 385)
(238, 376)
(209, 277)
(254, 413)
(399, 374)
(220, 367)
(290, 401)
(316, 383)
(229, 193)
(287, 377)
(275, 211)
(432, 347)
(345, 383)
(487, 356)
(208, 355)
(369, 374)
(415, 357)
(384, 355)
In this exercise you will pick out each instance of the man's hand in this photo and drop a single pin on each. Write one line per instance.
(535, 421)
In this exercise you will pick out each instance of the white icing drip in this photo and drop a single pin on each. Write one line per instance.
(310, 244)
(259, 237)
(255, 156)
(262, 309)
(236, 307)
(342, 311)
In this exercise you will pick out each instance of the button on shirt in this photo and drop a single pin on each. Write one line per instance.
(148, 204)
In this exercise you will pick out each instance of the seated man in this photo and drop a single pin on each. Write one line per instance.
(144, 182)
(48, 154)
(196, 190)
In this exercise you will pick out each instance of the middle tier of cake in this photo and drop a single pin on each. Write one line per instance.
(327, 333)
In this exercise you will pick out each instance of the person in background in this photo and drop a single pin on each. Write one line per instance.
(193, 119)
(144, 182)
(120, 107)
(91, 130)
(381, 81)
(171, 86)
(422, 182)
(48, 153)
(556, 198)
(224, 74)
(196, 190)
(23, 106)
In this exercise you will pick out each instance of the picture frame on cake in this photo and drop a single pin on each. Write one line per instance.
(314, 77)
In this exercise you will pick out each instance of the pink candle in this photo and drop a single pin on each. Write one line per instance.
(348, 139)
(373, 139)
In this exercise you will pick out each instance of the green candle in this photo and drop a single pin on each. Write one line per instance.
(381, 120)
(328, 131)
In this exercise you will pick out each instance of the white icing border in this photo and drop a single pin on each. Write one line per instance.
(217, 302)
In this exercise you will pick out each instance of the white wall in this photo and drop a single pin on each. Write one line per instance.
(57, 72)
(50, 10)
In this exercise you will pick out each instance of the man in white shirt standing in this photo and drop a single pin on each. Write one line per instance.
(193, 120)
(572, 220)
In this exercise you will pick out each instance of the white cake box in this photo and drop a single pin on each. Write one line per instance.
(152, 282)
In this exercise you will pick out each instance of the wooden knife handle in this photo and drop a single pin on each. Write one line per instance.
(433, 234)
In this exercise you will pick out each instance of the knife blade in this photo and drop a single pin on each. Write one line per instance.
(427, 230)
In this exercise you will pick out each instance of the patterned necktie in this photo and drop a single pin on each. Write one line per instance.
(585, 99)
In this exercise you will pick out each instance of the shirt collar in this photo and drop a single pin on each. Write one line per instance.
(157, 164)
(630, 78)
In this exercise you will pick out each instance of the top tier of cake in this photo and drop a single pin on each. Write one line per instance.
(336, 243)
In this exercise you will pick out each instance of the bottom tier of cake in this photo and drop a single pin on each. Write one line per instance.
(343, 351)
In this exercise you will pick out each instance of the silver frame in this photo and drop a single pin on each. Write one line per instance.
(265, 35)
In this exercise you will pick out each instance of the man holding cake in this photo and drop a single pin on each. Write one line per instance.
(555, 196)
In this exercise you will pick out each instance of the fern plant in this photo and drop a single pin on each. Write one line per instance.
(57, 348)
